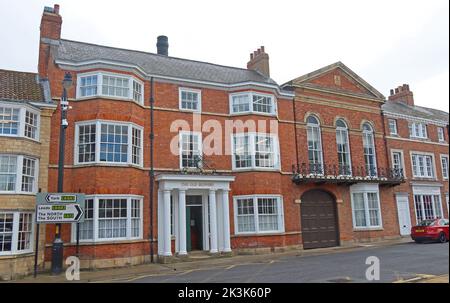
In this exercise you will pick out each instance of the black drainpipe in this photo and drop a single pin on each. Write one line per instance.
(152, 171)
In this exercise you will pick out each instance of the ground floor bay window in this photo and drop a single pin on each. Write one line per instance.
(366, 208)
(111, 218)
(427, 204)
(16, 233)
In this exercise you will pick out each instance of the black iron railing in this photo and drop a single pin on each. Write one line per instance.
(344, 174)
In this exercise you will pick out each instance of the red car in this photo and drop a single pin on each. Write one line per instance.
(430, 230)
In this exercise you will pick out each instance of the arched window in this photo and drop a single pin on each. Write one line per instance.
(369, 150)
(343, 148)
(314, 145)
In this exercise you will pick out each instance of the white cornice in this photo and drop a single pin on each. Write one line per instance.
(414, 118)
(98, 63)
(416, 141)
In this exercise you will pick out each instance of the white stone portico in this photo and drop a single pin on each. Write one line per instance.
(212, 197)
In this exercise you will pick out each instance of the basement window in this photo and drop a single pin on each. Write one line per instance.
(110, 85)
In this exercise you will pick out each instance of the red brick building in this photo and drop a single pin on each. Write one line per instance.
(417, 141)
(241, 163)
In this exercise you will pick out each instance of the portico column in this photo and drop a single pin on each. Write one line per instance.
(213, 220)
(166, 222)
(226, 221)
(182, 221)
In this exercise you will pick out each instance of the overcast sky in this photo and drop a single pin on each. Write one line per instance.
(387, 42)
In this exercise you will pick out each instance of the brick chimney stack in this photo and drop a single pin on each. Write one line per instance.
(402, 94)
(51, 22)
(259, 61)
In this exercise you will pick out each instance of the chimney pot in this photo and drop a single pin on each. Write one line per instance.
(262, 49)
(259, 51)
(56, 9)
(396, 90)
(251, 56)
(392, 92)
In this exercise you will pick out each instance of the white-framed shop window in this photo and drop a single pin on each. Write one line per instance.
(252, 102)
(108, 84)
(16, 232)
(190, 99)
(257, 151)
(108, 142)
(258, 214)
(18, 174)
(19, 121)
(427, 203)
(366, 207)
(111, 218)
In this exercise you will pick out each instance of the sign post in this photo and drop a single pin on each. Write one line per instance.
(59, 208)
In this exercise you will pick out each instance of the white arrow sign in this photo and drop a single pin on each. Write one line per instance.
(58, 213)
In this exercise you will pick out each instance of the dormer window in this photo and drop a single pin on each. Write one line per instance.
(110, 85)
(251, 102)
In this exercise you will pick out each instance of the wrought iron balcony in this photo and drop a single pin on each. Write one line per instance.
(345, 175)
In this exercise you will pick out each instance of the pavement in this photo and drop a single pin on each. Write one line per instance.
(326, 265)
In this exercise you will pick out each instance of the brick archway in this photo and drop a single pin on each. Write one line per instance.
(319, 219)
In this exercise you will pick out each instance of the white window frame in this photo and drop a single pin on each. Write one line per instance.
(250, 95)
(427, 191)
(418, 130)
(441, 134)
(15, 233)
(255, 198)
(402, 159)
(392, 123)
(98, 124)
(21, 128)
(339, 131)
(444, 170)
(366, 135)
(100, 75)
(365, 189)
(180, 146)
(252, 150)
(423, 155)
(95, 225)
(320, 150)
(19, 175)
(190, 90)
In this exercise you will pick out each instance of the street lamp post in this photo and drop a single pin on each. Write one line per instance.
(57, 248)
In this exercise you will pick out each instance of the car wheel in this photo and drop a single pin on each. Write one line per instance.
(442, 238)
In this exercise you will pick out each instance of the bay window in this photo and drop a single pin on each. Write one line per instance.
(108, 142)
(16, 232)
(18, 174)
(110, 85)
(111, 218)
(366, 206)
(255, 151)
(252, 102)
(258, 214)
(18, 121)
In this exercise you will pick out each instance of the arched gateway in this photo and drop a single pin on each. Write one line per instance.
(319, 220)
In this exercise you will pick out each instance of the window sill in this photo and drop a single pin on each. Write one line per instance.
(17, 193)
(17, 137)
(24, 254)
(243, 170)
(192, 111)
(106, 164)
(357, 229)
(109, 98)
(253, 113)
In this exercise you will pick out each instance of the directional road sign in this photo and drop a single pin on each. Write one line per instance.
(48, 198)
(59, 213)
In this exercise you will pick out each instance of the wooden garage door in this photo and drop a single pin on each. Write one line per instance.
(319, 221)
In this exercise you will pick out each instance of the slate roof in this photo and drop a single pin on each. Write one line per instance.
(401, 108)
(20, 86)
(155, 64)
